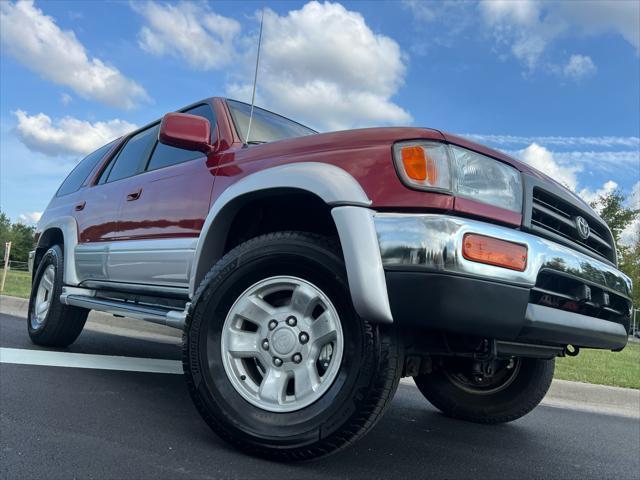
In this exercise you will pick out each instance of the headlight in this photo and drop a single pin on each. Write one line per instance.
(437, 166)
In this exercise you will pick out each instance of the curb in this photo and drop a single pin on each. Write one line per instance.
(562, 394)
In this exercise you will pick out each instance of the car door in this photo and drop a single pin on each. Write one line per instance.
(162, 213)
(98, 210)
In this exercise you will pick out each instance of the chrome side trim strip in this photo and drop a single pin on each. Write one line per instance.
(140, 289)
(332, 184)
(434, 242)
(365, 273)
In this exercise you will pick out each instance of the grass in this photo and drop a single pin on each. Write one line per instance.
(17, 284)
(620, 369)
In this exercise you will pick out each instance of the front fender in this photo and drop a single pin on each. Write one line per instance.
(353, 220)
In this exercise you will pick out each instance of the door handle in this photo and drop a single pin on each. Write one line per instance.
(80, 206)
(134, 195)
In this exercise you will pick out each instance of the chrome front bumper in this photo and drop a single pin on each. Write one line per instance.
(433, 243)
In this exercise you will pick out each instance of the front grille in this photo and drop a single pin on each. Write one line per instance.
(552, 214)
(567, 293)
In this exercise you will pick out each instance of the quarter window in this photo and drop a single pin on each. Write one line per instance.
(165, 155)
(80, 173)
(133, 155)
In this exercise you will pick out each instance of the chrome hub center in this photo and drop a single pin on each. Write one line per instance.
(284, 341)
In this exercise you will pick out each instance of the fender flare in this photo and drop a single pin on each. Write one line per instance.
(337, 188)
(69, 228)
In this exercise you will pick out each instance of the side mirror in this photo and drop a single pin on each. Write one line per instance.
(189, 132)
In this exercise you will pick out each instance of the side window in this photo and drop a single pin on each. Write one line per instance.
(165, 155)
(80, 173)
(132, 155)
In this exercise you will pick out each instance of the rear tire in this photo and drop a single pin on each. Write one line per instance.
(49, 322)
(513, 394)
(366, 361)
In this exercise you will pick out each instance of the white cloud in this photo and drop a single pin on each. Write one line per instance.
(521, 26)
(67, 136)
(528, 27)
(323, 65)
(594, 17)
(591, 196)
(604, 141)
(421, 10)
(189, 31)
(66, 99)
(35, 40)
(29, 218)
(579, 66)
(542, 159)
(524, 12)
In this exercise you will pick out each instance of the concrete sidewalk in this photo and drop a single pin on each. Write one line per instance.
(562, 394)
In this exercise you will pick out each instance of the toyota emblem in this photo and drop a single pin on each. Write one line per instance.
(583, 228)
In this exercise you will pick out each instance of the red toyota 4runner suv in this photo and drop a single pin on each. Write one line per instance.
(310, 272)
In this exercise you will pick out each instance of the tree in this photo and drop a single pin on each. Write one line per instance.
(630, 264)
(5, 233)
(613, 210)
(20, 236)
(22, 241)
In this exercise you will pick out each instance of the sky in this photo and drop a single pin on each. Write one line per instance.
(556, 84)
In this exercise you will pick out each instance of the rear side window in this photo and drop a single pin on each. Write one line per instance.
(165, 155)
(80, 173)
(133, 154)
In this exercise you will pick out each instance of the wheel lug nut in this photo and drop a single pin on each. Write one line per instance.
(272, 324)
(297, 358)
(277, 361)
(304, 337)
(265, 344)
(291, 321)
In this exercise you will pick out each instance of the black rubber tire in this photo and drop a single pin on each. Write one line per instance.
(517, 399)
(369, 372)
(63, 323)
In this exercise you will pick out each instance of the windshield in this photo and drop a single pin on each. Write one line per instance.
(265, 126)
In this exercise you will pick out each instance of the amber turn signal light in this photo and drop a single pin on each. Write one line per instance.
(493, 251)
(419, 165)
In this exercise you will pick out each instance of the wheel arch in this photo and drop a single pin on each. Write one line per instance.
(345, 205)
(62, 231)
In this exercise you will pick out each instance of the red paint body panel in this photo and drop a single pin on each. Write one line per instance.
(174, 201)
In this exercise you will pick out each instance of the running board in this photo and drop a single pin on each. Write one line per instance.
(170, 318)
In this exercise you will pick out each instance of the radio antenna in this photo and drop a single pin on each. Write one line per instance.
(255, 79)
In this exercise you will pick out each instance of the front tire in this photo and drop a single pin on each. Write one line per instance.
(516, 389)
(258, 309)
(49, 322)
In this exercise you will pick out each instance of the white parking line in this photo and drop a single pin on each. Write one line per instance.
(83, 360)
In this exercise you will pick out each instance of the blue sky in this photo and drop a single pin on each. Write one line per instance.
(556, 84)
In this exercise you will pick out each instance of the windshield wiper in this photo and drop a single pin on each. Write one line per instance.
(256, 142)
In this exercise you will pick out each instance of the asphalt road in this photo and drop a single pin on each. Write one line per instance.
(58, 422)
